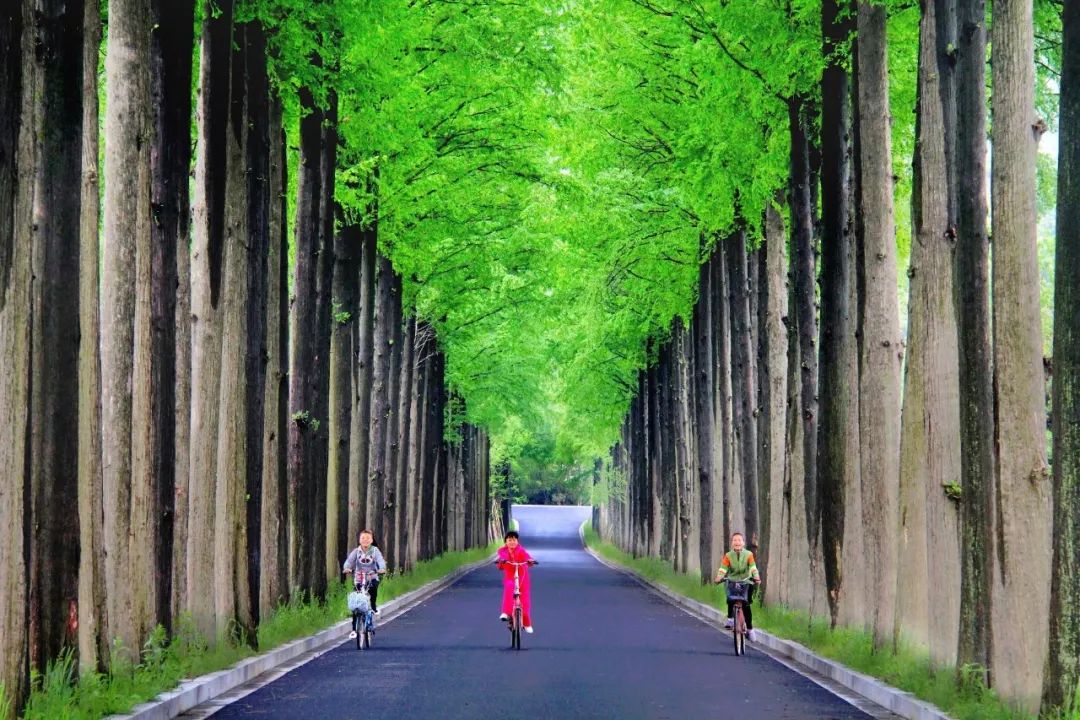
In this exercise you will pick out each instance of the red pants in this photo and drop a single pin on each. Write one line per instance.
(508, 600)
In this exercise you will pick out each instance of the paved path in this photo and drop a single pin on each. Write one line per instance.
(604, 647)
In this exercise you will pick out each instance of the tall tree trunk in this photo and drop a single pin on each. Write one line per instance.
(1022, 549)
(1063, 669)
(380, 396)
(347, 246)
(54, 398)
(703, 414)
(321, 375)
(973, 339)
(775, 331)
(804, 262)
(128, 529)
(273, 526)
(208, 230)
(170, 163)
(419, 412)
(15, 208)
(232, 461)
(742, 365)
(401, 526)
(928, 615)
(302, 356)
(731, 494)
(93, 621)
(393, 384)
(262, 229)
(837, 455)
(879, 332)
(364, 335)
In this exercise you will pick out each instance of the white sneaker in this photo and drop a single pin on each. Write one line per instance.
(375, 612)
(352, 635)
(528, 629)
(729, 624)
(503, 617)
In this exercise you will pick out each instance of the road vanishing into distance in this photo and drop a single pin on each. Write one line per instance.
(604, 647)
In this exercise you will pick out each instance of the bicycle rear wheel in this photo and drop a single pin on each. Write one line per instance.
(740, 630)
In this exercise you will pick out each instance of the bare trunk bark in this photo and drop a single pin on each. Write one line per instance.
(775, 332)
(742, 366)
(1022, 549)
(93, 621)
(15, 218)
(703, 413)
(389, 495)
(208, 230)
(1063, 669)
(347, 246)
(128, 528)
(170, 161)
(929, 615)
(364, 336)
(274, 541)
(302, 356)
(879, 332)
(837, 456)
(405, 403)
(320, 377)
(54, 411)
(973, 339)
(380, 396)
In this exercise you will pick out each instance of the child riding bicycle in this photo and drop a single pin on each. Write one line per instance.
(738, 565)
(366, 562)
(513, 557)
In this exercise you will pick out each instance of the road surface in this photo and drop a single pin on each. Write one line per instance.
(604, 647)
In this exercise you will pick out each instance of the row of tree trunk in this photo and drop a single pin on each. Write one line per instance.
(920, 510)
(179, 435)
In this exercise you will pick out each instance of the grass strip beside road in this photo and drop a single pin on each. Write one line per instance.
(60, 693)
(907, 669)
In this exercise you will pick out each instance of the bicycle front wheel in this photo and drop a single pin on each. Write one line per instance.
(517, 629)
(740, 631)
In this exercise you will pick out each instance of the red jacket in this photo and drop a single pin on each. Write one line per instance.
(519, 554)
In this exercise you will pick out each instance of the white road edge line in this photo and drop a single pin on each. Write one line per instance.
(866, 693)
(197, 697)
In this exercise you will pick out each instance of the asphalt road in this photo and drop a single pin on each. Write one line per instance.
(604, 647)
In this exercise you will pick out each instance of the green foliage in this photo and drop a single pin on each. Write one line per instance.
(905, 668)
(547, 177)
(339, 315)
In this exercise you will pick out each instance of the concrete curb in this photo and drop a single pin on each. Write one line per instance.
(195, 692)
(896, 701)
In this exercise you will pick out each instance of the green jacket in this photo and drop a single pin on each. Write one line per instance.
(739, 566)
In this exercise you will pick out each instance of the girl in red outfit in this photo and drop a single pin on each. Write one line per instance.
(512, 552)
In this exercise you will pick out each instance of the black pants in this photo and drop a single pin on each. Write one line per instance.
(747, 612)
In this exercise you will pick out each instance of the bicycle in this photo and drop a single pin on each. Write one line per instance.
(738, 592)
(363, 618)
(515, 621)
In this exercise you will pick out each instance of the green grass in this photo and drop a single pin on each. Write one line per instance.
(907, 669)
(60, 693)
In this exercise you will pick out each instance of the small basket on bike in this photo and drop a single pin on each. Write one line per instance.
(738, 590)
(359, 600)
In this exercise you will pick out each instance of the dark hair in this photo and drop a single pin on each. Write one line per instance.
(511, 534)
(739, 534)
(367, 532)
